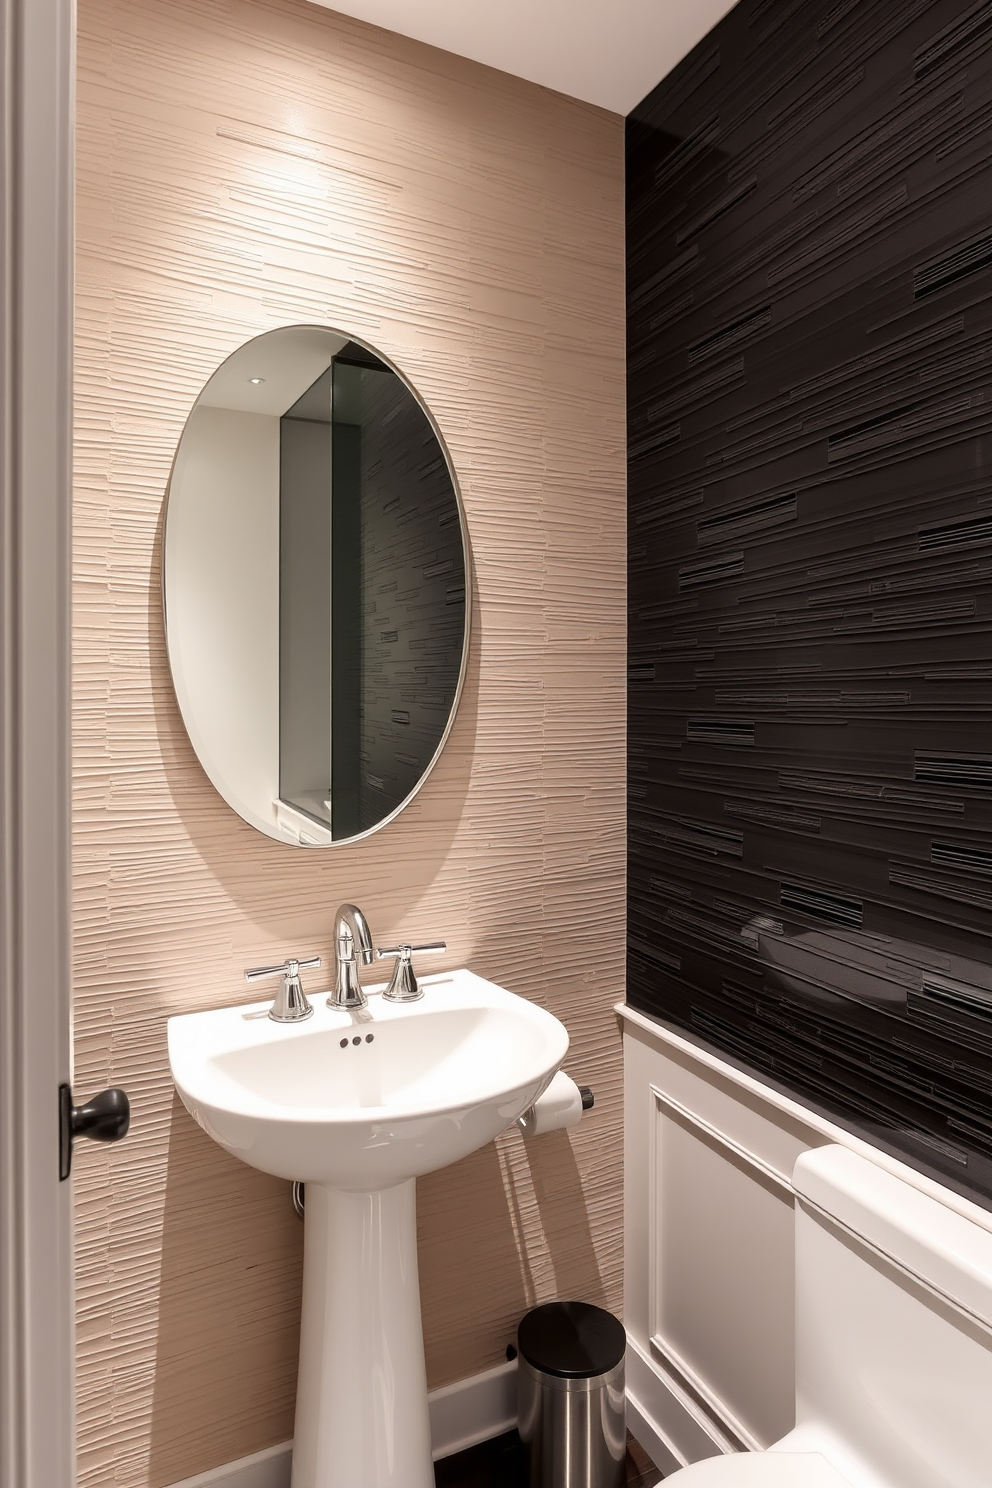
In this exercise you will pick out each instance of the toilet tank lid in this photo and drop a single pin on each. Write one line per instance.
(945, 1251)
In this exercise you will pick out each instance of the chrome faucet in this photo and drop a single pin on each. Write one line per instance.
(351, 929)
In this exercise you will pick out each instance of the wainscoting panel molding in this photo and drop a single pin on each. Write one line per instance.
(810, 476)
(246, 164)
(709, 1246)
(716, 1283)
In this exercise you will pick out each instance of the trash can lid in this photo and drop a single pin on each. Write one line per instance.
(572, 1340)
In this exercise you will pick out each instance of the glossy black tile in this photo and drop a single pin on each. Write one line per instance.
(810, 626)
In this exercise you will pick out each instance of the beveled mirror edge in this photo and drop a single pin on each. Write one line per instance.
(252, 819)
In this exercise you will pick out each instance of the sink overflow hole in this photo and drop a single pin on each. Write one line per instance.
(356, 1040)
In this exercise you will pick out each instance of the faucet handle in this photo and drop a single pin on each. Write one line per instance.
(288, 968)
(403, 985)
(291, 1004)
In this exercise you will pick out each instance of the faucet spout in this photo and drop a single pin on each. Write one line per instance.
(351, 934)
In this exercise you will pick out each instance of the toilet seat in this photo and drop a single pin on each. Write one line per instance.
(762, 1470)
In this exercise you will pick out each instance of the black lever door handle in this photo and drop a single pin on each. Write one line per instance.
(104, 1118)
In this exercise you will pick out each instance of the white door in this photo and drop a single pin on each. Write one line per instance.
(36, 1314)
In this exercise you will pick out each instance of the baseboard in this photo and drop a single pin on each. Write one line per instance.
(647, 1433)
(269, 1469)
(673, 1428)
(469, 1411)
(473, 1410)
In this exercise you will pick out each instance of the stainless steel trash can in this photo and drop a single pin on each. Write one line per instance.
(571, 1403)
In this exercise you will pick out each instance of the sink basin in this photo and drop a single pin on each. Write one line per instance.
(357, 1104)
(365, 1099)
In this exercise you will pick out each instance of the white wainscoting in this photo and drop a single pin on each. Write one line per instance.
(720, 1272)
(709, 1247)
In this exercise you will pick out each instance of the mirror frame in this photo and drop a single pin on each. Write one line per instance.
(274, 836)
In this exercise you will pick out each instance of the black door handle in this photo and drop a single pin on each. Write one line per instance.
(104, 1118)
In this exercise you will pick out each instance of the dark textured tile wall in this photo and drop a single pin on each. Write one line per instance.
(413, 623)
(810, 435)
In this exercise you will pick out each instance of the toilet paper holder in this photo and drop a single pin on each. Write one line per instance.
(561, 1106)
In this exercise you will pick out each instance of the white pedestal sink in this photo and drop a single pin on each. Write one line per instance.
(357, 1104)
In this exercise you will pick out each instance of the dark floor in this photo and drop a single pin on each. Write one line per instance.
(502, 1463)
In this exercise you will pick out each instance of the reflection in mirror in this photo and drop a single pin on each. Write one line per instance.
(315, 586)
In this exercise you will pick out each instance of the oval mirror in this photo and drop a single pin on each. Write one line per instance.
(315, 578)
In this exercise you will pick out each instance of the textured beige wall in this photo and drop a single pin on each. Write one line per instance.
(244, 165)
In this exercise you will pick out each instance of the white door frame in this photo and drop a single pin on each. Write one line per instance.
(37, 1436)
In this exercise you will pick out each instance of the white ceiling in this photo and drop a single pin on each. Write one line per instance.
(286, 361)
(608, 52)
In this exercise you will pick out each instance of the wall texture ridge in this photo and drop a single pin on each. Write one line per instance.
(245, 164)
(810, 487)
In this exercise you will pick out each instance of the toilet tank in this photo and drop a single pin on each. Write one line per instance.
(893, 1326)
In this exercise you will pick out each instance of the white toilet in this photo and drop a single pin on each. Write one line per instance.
(893, 1341)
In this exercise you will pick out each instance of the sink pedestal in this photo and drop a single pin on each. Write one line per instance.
(357, 1108)
(361, 1406)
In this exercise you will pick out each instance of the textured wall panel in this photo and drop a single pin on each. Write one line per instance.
(244, 165)
(810, 421)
